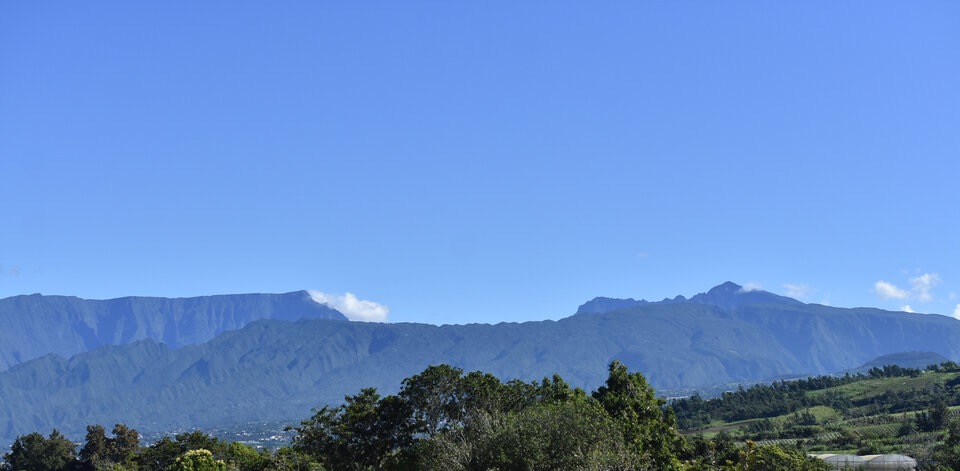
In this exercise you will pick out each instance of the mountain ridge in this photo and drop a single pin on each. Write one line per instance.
(728, 295)
(36, 324)
(273, 369)
(278, 368)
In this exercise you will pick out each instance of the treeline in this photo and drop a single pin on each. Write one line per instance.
(122, 451)
(442, 419)
(785, 397)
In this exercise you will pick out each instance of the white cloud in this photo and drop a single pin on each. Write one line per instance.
(907, 308)
(889, 291)
(923, 284)
(796, 290)
(752, 286)
(956, 311)
(354, 308)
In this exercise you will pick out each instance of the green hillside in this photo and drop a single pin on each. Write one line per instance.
(886, 410)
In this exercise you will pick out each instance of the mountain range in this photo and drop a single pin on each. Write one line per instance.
(238, 368)
(37, 325)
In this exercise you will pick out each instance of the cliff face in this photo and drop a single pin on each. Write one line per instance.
(37, 325)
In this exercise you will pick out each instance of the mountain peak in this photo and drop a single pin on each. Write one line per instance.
(727, 295)
(731, 295)
(727, 287)
(601, 304)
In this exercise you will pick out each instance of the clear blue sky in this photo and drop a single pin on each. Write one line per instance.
(482, 161)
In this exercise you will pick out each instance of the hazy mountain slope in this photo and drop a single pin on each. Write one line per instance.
(36, 325)
(917, 360)
(728, 295)
(279, 370)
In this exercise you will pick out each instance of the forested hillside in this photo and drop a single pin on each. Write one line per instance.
(884, 410)
(277, 370)
(38, 325)
(441, 419)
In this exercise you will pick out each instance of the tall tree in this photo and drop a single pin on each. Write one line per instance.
(365, 432)
(434, 396)
(95, 448)
(33, 452)
(124, 444)
(649, 428)
(160, 456)
(576, 434)
(199, 460)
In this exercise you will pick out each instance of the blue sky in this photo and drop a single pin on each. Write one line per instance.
(458, 162)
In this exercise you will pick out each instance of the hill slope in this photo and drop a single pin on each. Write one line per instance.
(37, 325)
(277, 370)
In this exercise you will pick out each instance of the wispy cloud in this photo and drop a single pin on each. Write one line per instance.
(889, 291)
(921, 288)
(923, 284)
(907, 308)
(354, 308)
(751, 286)
(956, 311)
(796, 290)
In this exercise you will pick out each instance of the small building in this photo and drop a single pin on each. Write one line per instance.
(890, 462)
(841, 461)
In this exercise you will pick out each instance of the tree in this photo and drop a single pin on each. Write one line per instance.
(197, 440)
(289, 459)
(243, 457)
(33, 452)
(576, 434)
(124, 445)
(720, 452)
(160, 456)
(100, 451)
(317, 436)
(480, 393)
(365, 432)
(95, 449)
(199, 460)
(948, 453)
(364, 438)
(648, 428)
(775, 458)
(434, 396)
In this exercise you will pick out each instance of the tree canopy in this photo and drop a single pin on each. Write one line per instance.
(441, 419)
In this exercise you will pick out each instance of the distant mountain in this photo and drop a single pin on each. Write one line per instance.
(728, 295)
(38, 325)
(917, 360)
(279, 370)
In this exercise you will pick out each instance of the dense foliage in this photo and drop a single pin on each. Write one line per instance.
(888, 409)
(785, 397)
(266, 371)
(442, 419)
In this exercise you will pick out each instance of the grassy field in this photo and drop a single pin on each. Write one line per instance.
(867, 415)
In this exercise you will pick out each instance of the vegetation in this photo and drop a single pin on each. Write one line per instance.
(887, 410)
(444, 419)
(266, 370)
